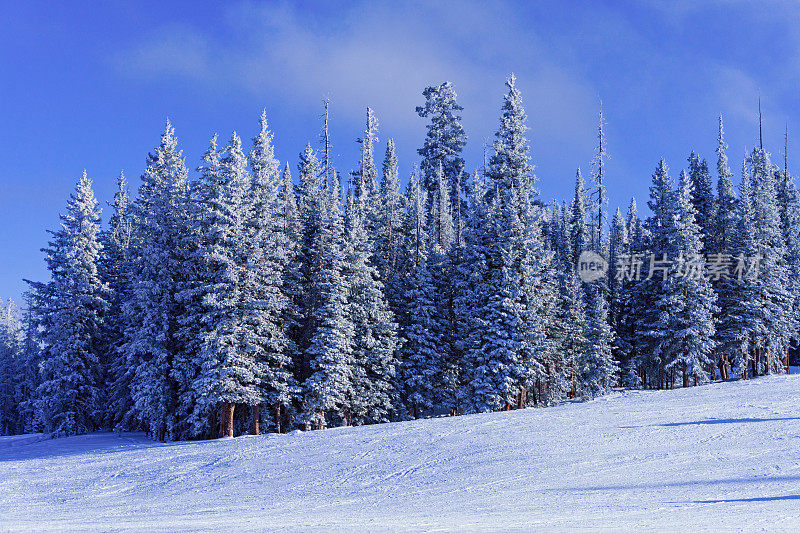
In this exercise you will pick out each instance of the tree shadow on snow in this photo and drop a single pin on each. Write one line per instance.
(45, 447)
(714, 421)
(728, 421)
(685, 483)
(762, 499)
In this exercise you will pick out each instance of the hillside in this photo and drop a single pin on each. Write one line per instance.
(705, 458)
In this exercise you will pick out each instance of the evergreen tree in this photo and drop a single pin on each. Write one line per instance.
(726, 244)
(441, 241)
(373, 341)
(328, 387)
(163, 218)
(28, 377)
(508, 270)
(389, 232)
(420, 368)
(648, 293)
(703, 198)
(579, 230)
(116, 270)
(70, 394)
(597, 366)
(230, 372)
(11, 339)
(444, 141)
(569, 338)
(688, 302)
(726, 221)
(266, 318)
(789, 208)
(774, 301)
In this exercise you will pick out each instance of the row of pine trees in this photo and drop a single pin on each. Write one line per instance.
(241, 300)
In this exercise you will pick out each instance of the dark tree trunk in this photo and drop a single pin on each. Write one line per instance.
(255, 413)
(227, 419)
(278, 418)
(685, 377)
(786, 361)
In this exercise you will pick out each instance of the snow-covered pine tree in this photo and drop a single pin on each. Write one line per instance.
(772, 295)
(389, 232)
(268, 254)
(28, 377)
(293, 275)
(579, 230)
(493, 352)
(789, 207)
(618, 303)
(230, 371)
(420, 362)
(115, 268)
(70, 394)
(162, 220)
(703, 198)
(647, 293)
(618, 247)
(365, 188)
(727, 242)
(444, 141)
(742, 317)
(688, 303)
(568, 335)
(625, 322)
(11, 344)
(538, 299)
(598, 370)
(328, 387)
(725, 222)
(374, 331)
(506, 333)
(441, 241)
(190, 247)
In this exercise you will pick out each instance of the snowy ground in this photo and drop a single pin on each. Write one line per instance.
(723, 456)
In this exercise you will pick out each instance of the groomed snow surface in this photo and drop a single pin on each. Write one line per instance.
(722, 456)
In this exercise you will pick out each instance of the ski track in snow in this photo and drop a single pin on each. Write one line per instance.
(717, 457)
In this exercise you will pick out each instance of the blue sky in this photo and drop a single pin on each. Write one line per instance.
(88, 85)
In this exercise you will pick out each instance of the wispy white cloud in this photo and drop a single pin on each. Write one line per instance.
(173, 51)
(381, 55)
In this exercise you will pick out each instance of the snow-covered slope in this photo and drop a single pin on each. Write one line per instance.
(723, 456)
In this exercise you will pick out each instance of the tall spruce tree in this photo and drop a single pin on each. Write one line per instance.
(327, 386)
(374, 331)
(116, 269)
(703, 198)
(420, 366)
(389, 232)
(69, 398)
(268, 254)
(444, 141)
(11, 362)
(648, 293)
(230, 372)
(687, 304)
(163, 218)
(726, 244)
(771, 339)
